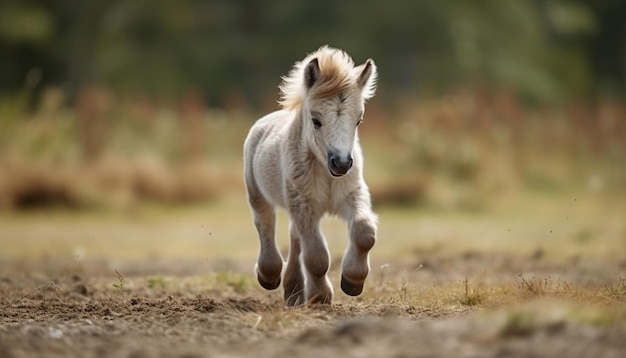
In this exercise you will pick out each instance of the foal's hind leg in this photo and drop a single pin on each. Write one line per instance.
(316, 259)
(270, 263)
(293, 282)
(315, 254)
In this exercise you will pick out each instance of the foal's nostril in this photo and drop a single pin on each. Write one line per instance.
(339, 166)
(333, 163)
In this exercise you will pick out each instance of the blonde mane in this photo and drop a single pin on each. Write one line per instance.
(336, 75)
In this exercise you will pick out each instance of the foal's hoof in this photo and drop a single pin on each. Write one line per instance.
(350, 288)
(268, 285)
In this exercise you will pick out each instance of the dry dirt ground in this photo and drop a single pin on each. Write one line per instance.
(544, 280)
(158, 308)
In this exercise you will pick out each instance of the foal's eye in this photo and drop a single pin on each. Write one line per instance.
(316, 123)
(359, 122)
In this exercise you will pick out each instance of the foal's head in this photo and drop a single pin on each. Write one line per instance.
(330, 93)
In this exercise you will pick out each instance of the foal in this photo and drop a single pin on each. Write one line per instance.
(306, 159)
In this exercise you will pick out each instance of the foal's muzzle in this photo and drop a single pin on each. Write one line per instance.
(337, 165)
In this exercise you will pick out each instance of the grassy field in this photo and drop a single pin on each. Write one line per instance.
(561, 228)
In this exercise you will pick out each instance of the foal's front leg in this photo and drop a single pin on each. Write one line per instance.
(362, 229)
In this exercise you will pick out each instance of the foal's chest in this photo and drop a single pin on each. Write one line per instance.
(325, 192)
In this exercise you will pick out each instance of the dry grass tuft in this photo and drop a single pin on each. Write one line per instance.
(121, 285)
(537, 287)
(534, 286)
(471, 297)
(616, 291)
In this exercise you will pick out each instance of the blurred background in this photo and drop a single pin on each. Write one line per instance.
(111, 104)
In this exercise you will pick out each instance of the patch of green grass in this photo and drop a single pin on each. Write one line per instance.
(237, 283)
(157, 282)
(583, 236)
(596, 317)
(518, 323)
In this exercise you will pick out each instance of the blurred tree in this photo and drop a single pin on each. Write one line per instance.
(607, 47)
(544, 50)
(26, 29)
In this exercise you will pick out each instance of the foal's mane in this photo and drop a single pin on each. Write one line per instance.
(336, 75)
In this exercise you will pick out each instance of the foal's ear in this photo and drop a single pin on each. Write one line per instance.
(311, 73)
(367, 78)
